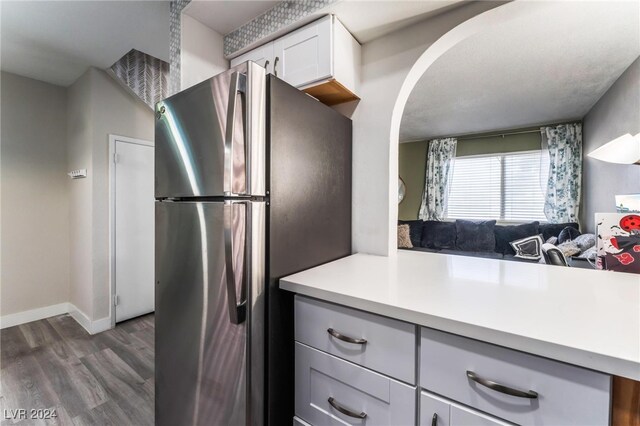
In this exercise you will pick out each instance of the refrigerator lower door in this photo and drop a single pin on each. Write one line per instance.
(210, 138)
(209, 313)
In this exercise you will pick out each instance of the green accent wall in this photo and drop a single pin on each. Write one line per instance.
(412, 159)
(412, 162)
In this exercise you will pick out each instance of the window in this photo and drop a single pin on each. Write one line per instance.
(509, 187)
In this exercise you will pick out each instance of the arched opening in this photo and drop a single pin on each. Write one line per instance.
(594, 70)
(445, 43)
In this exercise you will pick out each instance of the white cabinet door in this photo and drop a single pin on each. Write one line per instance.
(305, 55)
(262, 56)
(461, 416)
(434, 411)
(437, 411)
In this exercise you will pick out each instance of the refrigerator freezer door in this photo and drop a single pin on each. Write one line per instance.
(210, 138)
(209, 326)
(310, 185)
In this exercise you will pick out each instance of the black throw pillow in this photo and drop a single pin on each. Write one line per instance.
(507, 233)
(529, 248)
(438, 235)
(415, 230)
(568, 234)
(475, 236)
(549, 230)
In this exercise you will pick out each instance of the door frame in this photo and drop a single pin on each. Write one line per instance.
(112, 215)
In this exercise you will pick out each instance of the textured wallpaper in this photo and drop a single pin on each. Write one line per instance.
(145, 75)
(281, 15)
(175, 9)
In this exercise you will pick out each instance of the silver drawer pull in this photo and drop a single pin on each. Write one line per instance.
(434, 420)
(501, 388)
(345, 410)
(347, 339)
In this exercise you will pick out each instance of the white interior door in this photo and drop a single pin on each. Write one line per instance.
(134, 229)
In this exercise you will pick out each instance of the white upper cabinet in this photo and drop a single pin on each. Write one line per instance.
(321, 58)
(262, 56)
(305, 56)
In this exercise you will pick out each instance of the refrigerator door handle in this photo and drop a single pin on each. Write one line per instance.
(238, 85)
(237, 311)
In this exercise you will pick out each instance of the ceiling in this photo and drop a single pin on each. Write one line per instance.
(56, 41)
(226, 15)
(368, 20)
(538, 68)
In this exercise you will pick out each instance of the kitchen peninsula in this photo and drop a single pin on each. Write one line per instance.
(511, 322)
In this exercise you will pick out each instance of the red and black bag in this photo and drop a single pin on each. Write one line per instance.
(628, 259)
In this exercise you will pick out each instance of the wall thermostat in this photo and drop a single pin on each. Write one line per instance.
(78, 174)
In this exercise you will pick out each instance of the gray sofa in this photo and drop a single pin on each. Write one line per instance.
(483, 239)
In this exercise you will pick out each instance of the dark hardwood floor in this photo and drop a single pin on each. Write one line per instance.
(54, 364)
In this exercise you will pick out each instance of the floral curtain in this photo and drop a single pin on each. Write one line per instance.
(440, 155)
(562, 201)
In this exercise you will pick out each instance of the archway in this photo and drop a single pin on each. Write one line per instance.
(449, 40)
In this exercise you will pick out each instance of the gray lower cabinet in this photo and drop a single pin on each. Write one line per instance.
(332, 391)
(357, 368)
(297, 421)
(436, 411)
(462, 416)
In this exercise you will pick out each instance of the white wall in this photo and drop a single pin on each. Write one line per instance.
(116, 112)
(617, 112)
(201, 50)
(386, 63)
(98, 106)
(79, 156)
(35, 204)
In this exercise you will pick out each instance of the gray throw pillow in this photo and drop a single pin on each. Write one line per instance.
(585, 241)
(569, 248)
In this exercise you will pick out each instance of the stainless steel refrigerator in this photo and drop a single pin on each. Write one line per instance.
(253, 182)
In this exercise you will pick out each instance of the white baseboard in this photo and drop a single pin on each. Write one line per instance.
(92, 327)
(33, 315)
(98, 326)
(80, 317)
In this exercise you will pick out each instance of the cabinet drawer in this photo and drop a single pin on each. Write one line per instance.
(372, 398)
(566, 395)
(390, 346)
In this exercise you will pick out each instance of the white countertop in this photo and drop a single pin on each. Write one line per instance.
(584, 317)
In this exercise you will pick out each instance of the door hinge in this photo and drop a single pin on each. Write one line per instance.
(116, 299)
(115, 157)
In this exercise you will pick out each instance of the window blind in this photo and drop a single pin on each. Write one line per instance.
(509, 187)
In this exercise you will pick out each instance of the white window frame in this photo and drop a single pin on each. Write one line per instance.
(499, 221)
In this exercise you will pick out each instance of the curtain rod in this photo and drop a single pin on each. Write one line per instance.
(518, 133)
(500, 134)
